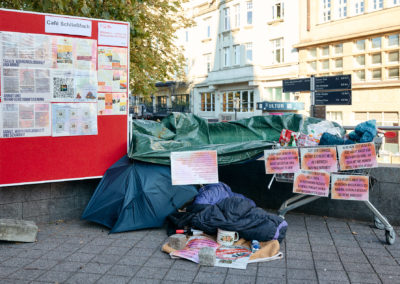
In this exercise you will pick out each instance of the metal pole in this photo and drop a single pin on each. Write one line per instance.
(312, 95)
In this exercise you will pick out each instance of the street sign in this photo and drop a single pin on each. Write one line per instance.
(280, 106)
(333, 98)
(339, 82)
(296, 85)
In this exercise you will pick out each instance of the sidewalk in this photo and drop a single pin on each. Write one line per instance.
(316, 250)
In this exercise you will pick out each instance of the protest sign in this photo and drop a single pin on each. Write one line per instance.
(281, 161)
(319, 159)
(350, 187)
(194, 167)
(311, 183)
(357, 156)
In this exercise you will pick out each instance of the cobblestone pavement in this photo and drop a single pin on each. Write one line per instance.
(316, 250)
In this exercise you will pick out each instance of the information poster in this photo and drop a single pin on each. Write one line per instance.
(111, 103)
(322, 159)
(194, 167)
(311, 183)
(112, 65)
(281, 161)
(357, 156)
(85, 54)
(25, 120)
(350, 187)
(62, 52)
(69, 119)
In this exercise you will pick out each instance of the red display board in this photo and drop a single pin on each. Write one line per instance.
(47, 158)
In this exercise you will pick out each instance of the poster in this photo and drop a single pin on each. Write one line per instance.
(281, 161)
(194, 167)
(62, 52)
(85, 54)
(111, 103)
(63, 85)
(350, 187)
(25, 119)
(112, 69)
(113, 34)
(69, 119)
(311, 183)
(85, 88)
(357, 156)
(319, 159)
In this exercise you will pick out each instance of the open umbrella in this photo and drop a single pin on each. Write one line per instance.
(136, 195)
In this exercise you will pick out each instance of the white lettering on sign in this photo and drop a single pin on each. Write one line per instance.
(113, 34)
(69, 26)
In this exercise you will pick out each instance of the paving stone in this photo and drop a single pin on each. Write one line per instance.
(80, 278)
(268, 280)
(324, 248)
(106, 258)
(80, 257)
(332, 275)
(363, 277)
(204, 277)
(26, 274)
(376, 252)
(296, 281)
(69, 266)
(124, 270)
(92, 249)
(387, 269)
(353, 258)
(181, 275)
(388, 260)
(112, 279)
(358, 267)
(299, 255)
(124, 243)
(297, 247)
(148, 272)
(280, 263)
(5, 271)
(54, 276)
(272, 272)
(157, 262)
(326, 264)
(325, 256)
(17, 262)
(96, 268)
(239, 279)
(297, 263)
(102, 242)
(133, 260)
(301, 274)
(42, 263)
(251, 270)
(389, 279)
(140, 252)
(180, 264)
(144, 281)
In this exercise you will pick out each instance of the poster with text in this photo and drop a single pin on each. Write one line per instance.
(111, 103)
(311, 183)
(63, 85)
(71, 119)
(194, 167)
(62, 48)
(25, 120)
(350, 187)
(281, 161)
(322, 159)
(85, 88)
(85, 54)
(112, 69)
(357, 156)
(113, 34)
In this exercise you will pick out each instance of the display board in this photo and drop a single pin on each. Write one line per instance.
(63, 96)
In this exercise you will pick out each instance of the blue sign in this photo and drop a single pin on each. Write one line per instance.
(333, 98)
(296, 85)
(338, 82)
(280, 106)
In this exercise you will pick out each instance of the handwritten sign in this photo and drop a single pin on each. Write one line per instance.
(321, 159)
(311, 183)
(113, 34)
(281, 161)
(194, 167)
(357, 156)
(350, 187)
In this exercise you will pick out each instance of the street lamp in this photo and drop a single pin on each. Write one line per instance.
(236, 106)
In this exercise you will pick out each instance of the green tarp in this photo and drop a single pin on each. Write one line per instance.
(234, 141)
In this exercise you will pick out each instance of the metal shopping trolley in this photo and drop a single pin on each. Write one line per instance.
(298, 200)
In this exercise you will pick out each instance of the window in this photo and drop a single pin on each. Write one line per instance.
(393, 73)
(376, 74)
(161, 102)
(393, 40)
(376, 42)
(227, 19)
(393, 57)
(359, 7)
(312, 52)
(249, 12)
(360, 75)
(341, 6)
(360, 60)
(277, 50)
(207, 102)
(336, 116)
(208, 62)
(376, 4)
(376, 58)
(339, 48)
(237, 15)
(246, 99)
(277, 10)
(208, 28)
(312, 66)
(249, 52)
(276, 95)
(226, 56)
(325, 64)
(236, 51)
(326, 10)
(360, 44)
(187, 36)
(339, 63)
(325, 50)
(394, 2)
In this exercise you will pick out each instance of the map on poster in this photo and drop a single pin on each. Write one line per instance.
(350, 187)
(319, 159)
(357, 156)
(112, 64)
(311, 183)
(25, 120)
(281, 161)
(111, 103)
(194, 167)
(69, 119)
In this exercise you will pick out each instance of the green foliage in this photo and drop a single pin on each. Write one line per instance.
(153, 54)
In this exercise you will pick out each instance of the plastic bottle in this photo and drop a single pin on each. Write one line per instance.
(255, 246)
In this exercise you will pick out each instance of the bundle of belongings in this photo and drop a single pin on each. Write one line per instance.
(216, 208)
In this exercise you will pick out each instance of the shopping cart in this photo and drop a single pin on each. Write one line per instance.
(298, 200)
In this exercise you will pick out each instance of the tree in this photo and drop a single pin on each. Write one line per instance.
(153, 53)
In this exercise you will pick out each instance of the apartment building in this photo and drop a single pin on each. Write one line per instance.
(237, 54)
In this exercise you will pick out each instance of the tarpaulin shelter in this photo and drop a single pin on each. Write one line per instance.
(136, 195)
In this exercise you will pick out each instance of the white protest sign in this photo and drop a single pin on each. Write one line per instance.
(357, 156)
(311, 183)
(320, 159)
(69, 26)
(113, 34)
(281, 161)
(194, 167)
(350, 187)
